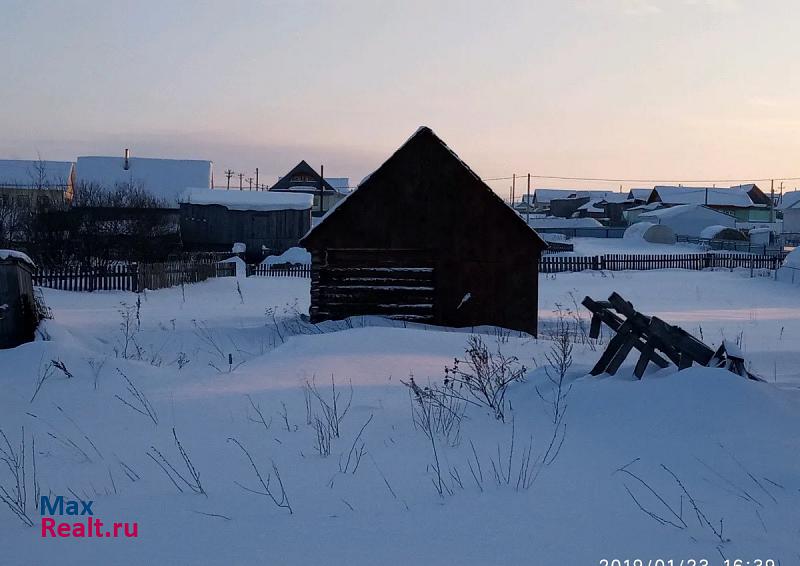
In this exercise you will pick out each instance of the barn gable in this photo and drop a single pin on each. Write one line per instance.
(423, 238)
(416, 194)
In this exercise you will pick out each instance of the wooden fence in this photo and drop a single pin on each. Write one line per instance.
(643, 262)
(133, 277)
(130, 277)
(74, 278)
(266, 271)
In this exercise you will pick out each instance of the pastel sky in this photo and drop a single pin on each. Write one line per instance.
(672, 89)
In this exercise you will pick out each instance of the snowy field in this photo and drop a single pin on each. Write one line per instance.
(600, 246)
(697, 464)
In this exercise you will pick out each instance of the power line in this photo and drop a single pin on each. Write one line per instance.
(662, 180)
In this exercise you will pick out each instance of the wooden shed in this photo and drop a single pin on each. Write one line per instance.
(18, 317)
(266, 222)
(424, 239)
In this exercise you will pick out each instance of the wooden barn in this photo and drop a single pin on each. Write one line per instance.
(266, 222)
(424, 239)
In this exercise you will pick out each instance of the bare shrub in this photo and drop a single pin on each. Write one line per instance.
(436, 411)
(483, 377)
(139, 401)
(322, 437)
(559, 359)
(15, 493)
(333, 411)
(357, 451)
(260, 415)
(279, 497)
(46, 370)
(96, 366)
(191, 478)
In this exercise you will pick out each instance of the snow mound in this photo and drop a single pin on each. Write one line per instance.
(649, 232)
(718, 232)
(793, 259)
(14, 254)
(292, 255)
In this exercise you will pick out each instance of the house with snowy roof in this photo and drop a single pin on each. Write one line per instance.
(746, 203)
(303, 179)
(266, 222)
(541, 199)
(639, 195)
(791, 213)
(36, 182)
(164, 179)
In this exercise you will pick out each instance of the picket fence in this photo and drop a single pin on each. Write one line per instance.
(137, 277)
(129, 277)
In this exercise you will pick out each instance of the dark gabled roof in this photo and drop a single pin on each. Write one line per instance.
(423, 135)
(285, 182)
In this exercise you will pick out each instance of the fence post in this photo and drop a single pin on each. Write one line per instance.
(134, 267)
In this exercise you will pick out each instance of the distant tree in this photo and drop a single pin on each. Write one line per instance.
(126, 223)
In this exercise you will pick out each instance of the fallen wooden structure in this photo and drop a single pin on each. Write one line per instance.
(653, 337)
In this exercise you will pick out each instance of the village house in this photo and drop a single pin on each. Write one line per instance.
(164, 179)
(303, 179)
(266, 222)
(746, 203)
(541, 199)
(424, 239)
(790, 207)
(36, 183)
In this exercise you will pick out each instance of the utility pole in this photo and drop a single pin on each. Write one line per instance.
(321, 185)
(528, 208)
(513, 187)
(256, 178)
(241, 176)
(772, 200)
(250, 183)
(228, 175)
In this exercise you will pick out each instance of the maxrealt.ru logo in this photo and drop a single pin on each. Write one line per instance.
(88, 526)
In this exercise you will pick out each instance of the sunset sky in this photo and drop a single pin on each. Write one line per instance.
(653, 89)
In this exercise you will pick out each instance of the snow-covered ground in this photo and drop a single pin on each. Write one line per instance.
(210, 357)
(600, 246)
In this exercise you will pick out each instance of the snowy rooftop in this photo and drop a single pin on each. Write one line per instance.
(790, 200)
(640, 194)
(341, 184)
(674, 211)
(248, 200)
(736, 197)
(165, 179)
(34, 174)
(544, 196)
